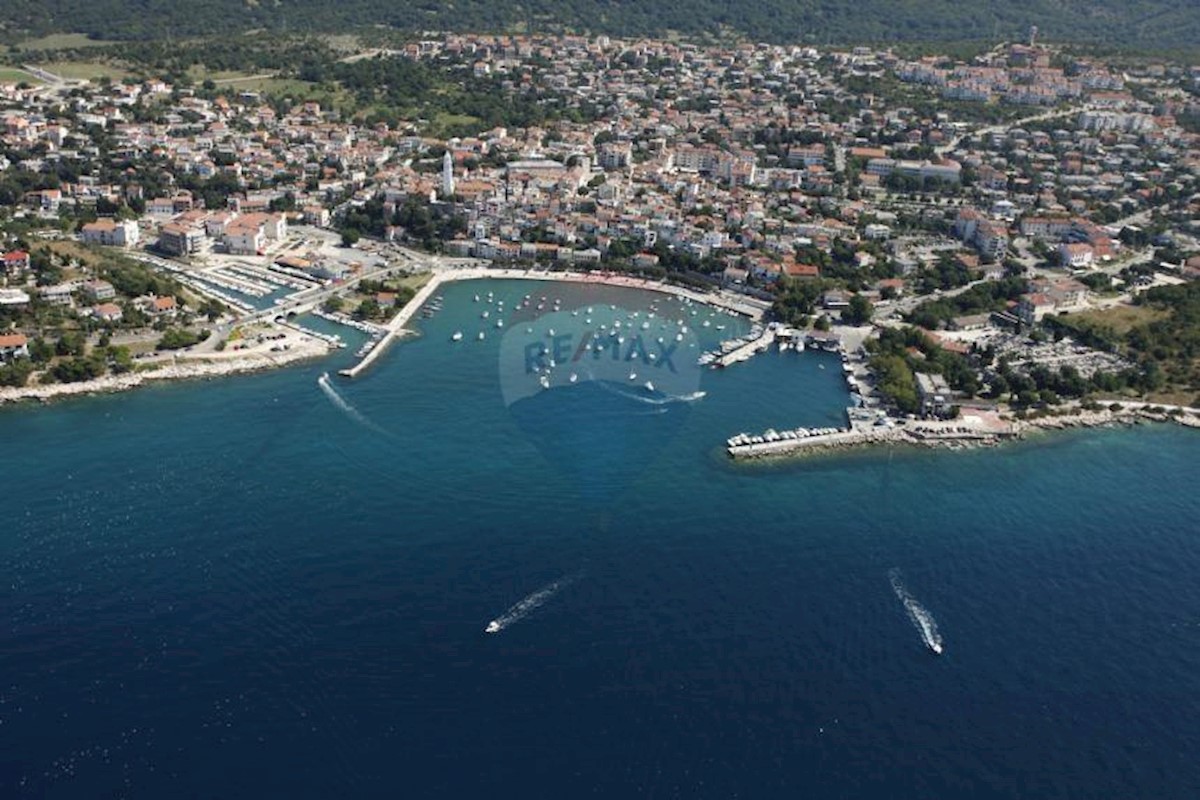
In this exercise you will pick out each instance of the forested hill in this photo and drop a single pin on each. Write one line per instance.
(1140, 23)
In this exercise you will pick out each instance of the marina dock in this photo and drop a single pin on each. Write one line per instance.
(745, 351)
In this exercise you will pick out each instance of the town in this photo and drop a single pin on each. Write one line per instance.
(1009, 232)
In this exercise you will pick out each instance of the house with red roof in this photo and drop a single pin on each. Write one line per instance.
(15, 263)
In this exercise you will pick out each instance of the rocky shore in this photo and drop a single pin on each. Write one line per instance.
(1127, 414)
(219, 365)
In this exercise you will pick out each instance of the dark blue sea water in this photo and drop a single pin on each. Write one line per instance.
(251, 588)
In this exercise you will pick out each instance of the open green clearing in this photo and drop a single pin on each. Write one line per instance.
(85, 70)
(12, 75)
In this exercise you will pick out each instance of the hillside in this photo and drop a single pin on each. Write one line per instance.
(1141, 23)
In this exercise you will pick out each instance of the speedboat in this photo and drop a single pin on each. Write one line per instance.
(936, 648)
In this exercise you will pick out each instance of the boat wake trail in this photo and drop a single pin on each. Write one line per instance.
(529, 604)
(343, 405)
(922, 620)
(653, 398)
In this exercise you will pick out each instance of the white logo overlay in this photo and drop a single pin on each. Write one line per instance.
(638, 353)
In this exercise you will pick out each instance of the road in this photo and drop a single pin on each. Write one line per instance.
(259, 77)
(953, 143)
(56, 83)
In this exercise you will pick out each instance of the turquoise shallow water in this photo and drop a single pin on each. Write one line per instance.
(247, 588)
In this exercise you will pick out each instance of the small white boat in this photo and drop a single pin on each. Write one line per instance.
(492, 627)
(484, 315)
(476, 298)
(574, 377)
(499, 323)
(649, 386)
(633, 376)
(480, 337)
(457, 337)
(544, 381)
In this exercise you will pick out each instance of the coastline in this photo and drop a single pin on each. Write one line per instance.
(214, 366)
(304, 347)
(921, 436)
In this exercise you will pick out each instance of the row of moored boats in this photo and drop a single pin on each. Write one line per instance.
(772, 435)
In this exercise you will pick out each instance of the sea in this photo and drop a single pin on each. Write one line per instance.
(451, 578)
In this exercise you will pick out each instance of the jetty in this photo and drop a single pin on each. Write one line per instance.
(873, 427)
(395, 327)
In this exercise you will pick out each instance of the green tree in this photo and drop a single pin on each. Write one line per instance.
(859, 312)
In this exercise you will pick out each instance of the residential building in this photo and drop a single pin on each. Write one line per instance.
(13, 345)
(1075, 255)
(98, 290)
(15, 263)
(110, 233)
(180, 240)
(935, 394)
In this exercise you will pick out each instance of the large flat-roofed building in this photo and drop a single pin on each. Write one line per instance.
(180, 240)
(935, 394)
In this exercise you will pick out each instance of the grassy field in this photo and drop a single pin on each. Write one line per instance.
(343, 43)
(445, 121)
(85, 70)
(12, 75)
(61, 41)
(1122, 319)
(298, 90)
(414, 282)
(69, 249)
